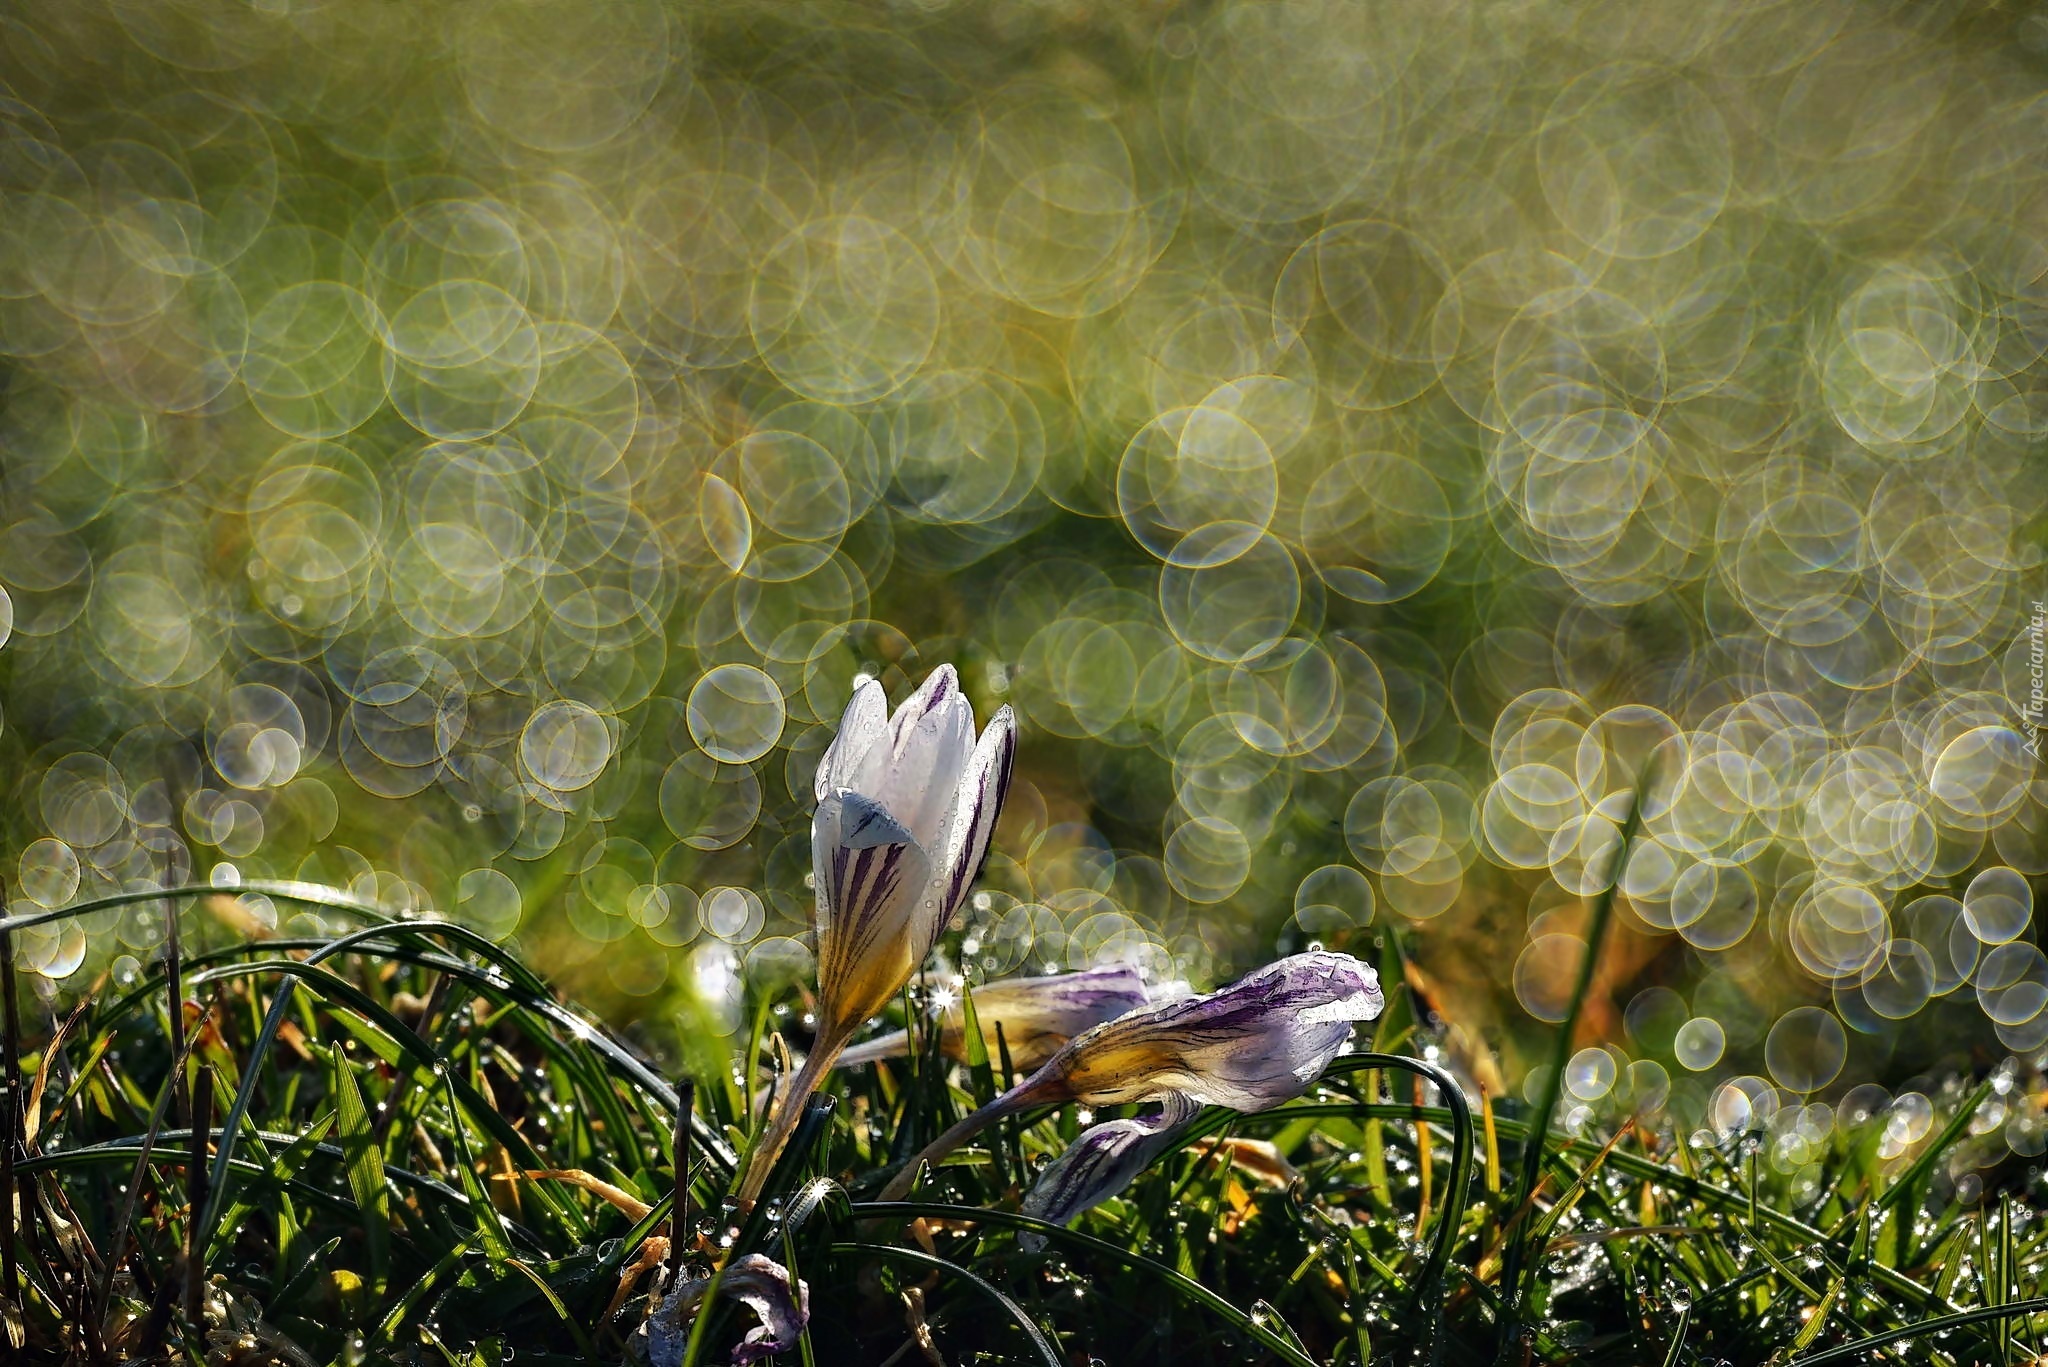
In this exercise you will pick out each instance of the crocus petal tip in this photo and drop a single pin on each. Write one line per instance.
(1362, 1005)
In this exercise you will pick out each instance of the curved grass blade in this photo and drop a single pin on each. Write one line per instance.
(400, 1046)
(304, 894)
(282, 1167)
(1680, 1182)
(1185, 1286)
(245, 1092)
(1862, 1349)
(1428, 1287)
(629, 1243)
(568, 1321)
(817, 1111)
(136, 1146)
(103, 1292)
(523, 990)
(266, 1036)
(919, 1258)
(387, 1329)
(334, 899)
(817, 1114)
(1678, 1338)
(490, 1226)
(1455, 1116)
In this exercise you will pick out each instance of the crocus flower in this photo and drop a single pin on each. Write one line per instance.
(1037, 1015)
(906, 805)
(1262, 1040)
(759, 1283)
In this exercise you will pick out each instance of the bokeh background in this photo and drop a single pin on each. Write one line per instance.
(465, 452)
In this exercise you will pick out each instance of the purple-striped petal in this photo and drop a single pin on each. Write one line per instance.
(1250, 1046)
(1263, 1040)
(1104, 1160)
(869, 885)
(923, 710)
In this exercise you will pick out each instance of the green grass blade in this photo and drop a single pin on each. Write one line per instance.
(1514, 1266)
(1924, 1162)
(562, 1315)
(1862, 1349)
(282, 1167)
(1451, 1218)
(387, 1330)
(365, 1164)
(1678, 1338)
(412, 1052)
(490, 1230)
(1818, 1320)
(303, 894)
(918, 1258)
(1186, 1287)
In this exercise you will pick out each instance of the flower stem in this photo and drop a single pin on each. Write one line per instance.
(1010, 1102)
(789, 1108)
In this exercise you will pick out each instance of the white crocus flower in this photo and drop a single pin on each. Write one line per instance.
(906, 805)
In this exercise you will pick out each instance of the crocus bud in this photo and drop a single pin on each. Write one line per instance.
(1036, 1015)
(906, 805)
(1262, 1040)
(759, 1283)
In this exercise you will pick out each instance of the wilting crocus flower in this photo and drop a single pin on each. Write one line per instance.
(1262, 1040)
(759, 1283)
(906, 805)
(1250, 1046)
(1036, 1015)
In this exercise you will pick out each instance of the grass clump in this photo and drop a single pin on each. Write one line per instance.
(392, 1143)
